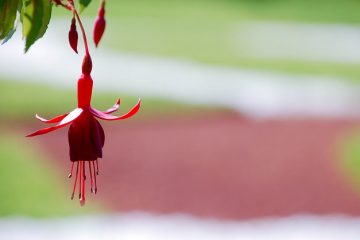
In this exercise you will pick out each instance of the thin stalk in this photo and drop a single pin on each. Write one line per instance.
(70, 6)
(82, 29)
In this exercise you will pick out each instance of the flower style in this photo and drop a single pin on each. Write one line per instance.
(86, 136)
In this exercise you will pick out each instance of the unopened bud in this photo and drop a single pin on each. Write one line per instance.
(99, 26)
(87, 64)
(73, 36)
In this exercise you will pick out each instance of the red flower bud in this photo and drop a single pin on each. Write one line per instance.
(73, 36)
(87, 65)
(99, 26)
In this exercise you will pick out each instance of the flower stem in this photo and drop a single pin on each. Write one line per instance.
(73, 9)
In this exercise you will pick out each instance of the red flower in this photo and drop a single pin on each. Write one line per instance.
(86, 136)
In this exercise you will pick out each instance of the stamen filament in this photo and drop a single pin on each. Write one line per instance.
(91, 177)
(82, 199)
(93, 165)
(80, 179)
(97, 167)
(76, 177)
(71, 170)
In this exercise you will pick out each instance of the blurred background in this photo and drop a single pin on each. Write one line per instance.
(249, 127)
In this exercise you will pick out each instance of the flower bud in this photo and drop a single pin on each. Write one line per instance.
(87, 65)
(99, 26)
(73, 36)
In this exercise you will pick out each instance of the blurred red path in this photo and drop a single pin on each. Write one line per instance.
(221, 166)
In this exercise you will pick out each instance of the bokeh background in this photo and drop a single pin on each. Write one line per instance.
(249, 127)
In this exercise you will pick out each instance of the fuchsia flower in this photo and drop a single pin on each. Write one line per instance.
(86, 136)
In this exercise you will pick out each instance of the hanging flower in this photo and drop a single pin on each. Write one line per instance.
(86, 136)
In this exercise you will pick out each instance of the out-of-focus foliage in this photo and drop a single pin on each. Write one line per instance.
(34, 16)
(7, 17)
(83, 4)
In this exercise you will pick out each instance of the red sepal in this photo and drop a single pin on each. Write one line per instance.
(52, 120)
(109, 117)
(67, 120)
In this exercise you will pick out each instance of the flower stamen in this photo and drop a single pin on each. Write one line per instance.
(82, 189)
(97, 167)
(93, 165)
(71, 170)
(76, 177)
(91, 178)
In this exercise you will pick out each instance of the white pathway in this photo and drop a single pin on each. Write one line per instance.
(256, 94)
(309, 42)
(140, 226)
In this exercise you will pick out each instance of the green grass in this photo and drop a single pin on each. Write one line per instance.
(21, 100)
(346, 11)
(206, 31)
(349, 153)
(29, 186)
(213, 44)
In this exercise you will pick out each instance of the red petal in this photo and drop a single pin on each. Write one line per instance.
(68, 119)
(52, 120)
(106, 116)
(113, 108)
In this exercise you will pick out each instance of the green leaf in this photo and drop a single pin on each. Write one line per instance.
(19, 9)
(8, 10)
(36, 16)
(84, 4)
(11, 33)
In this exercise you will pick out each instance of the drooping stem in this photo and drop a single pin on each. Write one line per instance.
(102, 3)
(70, 6)
(82, 29)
